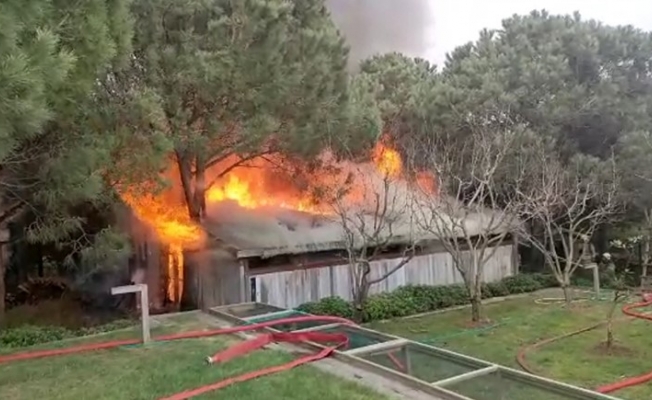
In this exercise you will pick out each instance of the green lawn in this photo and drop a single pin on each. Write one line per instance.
(576, 360)
(164, 369)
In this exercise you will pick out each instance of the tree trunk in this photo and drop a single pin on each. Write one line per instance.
(566, 288)
(359, 299)
(3, 269)
(360, 290)
(610, 335)
(194, 189)
(475, 289)
(610, 317)
(188, 184)
(645, 257)
(199, 197)
(610, 331)
(568, 294)
(476, 308)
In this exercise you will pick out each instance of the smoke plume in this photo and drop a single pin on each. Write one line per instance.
(381, 26)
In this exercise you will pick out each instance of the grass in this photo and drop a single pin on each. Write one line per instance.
(516, 323)
(166, 368)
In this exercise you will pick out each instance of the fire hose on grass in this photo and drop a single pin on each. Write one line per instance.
(520, 356)
(559, 300)
(628, 310)
(336, 341)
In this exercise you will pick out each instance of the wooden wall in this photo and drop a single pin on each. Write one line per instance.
(288, 289)
(216, 278)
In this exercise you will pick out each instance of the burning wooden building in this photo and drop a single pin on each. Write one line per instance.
(267, 238)
(286, 258)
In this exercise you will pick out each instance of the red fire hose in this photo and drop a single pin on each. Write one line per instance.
(337, 340)
(636, 380)
(257, 343)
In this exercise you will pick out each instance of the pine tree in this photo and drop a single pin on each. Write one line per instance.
(52, 53)
(577, 81)
(244, 78)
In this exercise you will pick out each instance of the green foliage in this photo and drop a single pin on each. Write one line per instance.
(415, 299)
(400, 80)
(522, 284)
(329, 306)
(54, 151)
(568, 78)
(496, 289)
(401, 84)
(364, 121)
(29, 335)
(247, 78)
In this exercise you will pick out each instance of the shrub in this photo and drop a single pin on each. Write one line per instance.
(29, 335)
(335, 306)
(427, 298)
(389, 305)
(521, 284)
(416, 299)
(546, 280)
(496, 289)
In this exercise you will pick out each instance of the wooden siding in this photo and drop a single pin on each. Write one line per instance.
(215, 277)
(288, 289)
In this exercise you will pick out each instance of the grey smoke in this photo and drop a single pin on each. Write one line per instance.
(381, 26)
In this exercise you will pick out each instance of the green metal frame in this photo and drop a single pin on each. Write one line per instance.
(387, 343)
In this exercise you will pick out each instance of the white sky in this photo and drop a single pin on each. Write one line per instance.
(459, 21)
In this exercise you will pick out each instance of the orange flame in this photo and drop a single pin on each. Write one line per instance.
(173, 227)
(260, 182)
(387, 160)
(253, 184)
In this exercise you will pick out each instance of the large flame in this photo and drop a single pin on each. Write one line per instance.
(261, 182)
(254, 184)
(387, 160)
(173, 227)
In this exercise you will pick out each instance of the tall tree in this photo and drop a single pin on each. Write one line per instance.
(577, 81)
(635, 167)
(400, 81)
(240, 79)
(376, 215)
(474, 210)
(51, 154)
(569, 201)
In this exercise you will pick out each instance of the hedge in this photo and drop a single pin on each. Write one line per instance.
(416, 299)
(29, 335)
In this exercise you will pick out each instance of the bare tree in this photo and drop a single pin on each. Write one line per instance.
(620, 295)
(473, 211)
(566, 203)
(376, 217)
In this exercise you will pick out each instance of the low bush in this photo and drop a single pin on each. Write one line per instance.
(521, 284)
(335, 306)
(416, 299)
(29, 335)
(584, 278)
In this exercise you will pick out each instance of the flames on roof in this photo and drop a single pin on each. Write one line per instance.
(264, 208)
(265, 187)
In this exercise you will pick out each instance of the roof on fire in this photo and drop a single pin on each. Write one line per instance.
(268, 232)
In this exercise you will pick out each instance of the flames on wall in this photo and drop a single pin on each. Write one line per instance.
(254, 184)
